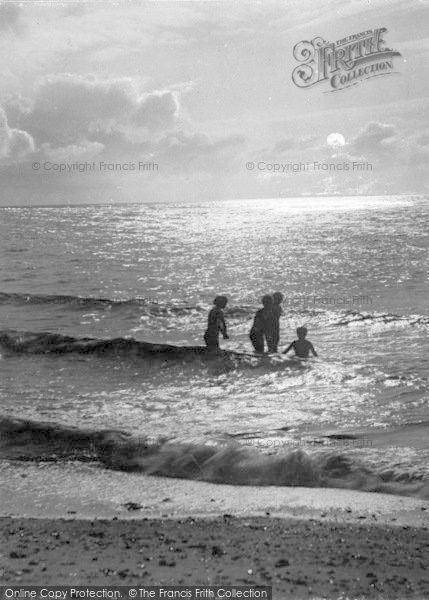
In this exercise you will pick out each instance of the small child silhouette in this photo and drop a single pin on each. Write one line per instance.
(301, 346)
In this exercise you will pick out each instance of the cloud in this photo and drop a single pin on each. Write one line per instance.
(16, 105)
(69, 108)
(284, 145)
(372, 137)
(15, 144)
(185, 152)
(156, 110)
(85, 151)
(196, 143)
(380, 158)
(299, 144)
(79, 117)
(9, 16)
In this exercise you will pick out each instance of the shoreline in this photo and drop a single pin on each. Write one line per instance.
(59, 490)
(76, 524)
(299, 558)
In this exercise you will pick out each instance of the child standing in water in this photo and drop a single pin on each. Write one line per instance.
(216, 323)
(263, 326)
(277, 313)
(301, 346)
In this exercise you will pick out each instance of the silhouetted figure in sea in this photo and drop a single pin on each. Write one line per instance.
(216, 323)
(301, 346)
(277, 313)
(263, 326)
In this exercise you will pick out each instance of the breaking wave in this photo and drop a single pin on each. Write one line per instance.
(228, 463)
(54, 343)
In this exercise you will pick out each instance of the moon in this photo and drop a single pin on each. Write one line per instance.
(335, 140)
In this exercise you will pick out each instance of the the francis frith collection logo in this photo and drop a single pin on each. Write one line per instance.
(344, 63)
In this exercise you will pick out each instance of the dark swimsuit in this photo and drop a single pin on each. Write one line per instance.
(211, 336)
(262, 328)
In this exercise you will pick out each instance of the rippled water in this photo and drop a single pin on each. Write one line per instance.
(353, 270)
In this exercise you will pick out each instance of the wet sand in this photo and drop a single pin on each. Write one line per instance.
(52, 490)
(300, 558)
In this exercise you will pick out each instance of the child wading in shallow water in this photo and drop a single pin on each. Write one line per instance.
(263, 326)
(216, 323)
(301, 346)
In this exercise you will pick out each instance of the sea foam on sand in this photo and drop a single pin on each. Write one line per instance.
(55, 490)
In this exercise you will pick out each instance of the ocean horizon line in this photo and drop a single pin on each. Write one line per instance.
(413, 195)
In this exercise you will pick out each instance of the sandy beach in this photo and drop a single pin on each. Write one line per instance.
(120, 528)
(299, 558)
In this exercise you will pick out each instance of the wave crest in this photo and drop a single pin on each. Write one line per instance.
(351, 317)
(55, 343)
(150, 306)
(229, 463)
(147, 305)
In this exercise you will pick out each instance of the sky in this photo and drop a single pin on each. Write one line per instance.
(185, 101)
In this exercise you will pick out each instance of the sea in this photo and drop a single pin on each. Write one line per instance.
(102, 315)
